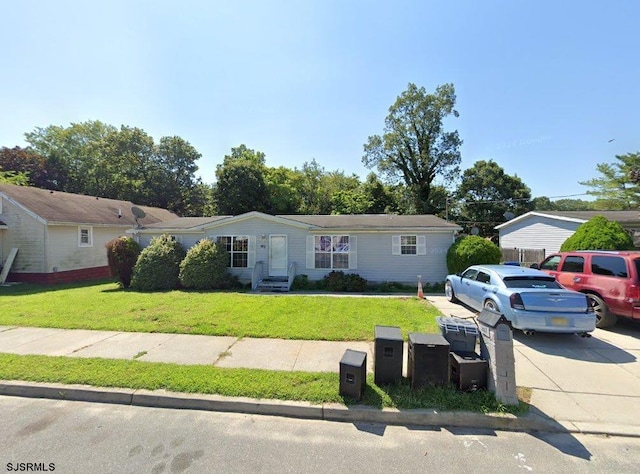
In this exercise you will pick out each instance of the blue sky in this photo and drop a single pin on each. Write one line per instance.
(542, 87)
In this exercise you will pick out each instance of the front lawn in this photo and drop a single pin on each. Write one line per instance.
(105, 306)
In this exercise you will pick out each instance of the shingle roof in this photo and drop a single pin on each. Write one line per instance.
(617, 216)
(56, 206)
(370, 221)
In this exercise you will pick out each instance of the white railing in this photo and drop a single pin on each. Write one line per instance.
(257, 274)
(292, 274)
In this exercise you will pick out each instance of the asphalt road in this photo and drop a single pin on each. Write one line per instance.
(79, 437)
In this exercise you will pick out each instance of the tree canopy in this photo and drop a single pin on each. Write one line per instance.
(615, 188)
(414, 147)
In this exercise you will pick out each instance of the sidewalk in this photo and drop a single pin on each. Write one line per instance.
(579, 385)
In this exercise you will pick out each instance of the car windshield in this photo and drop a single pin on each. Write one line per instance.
(532, 282)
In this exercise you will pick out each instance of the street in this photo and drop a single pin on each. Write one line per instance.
(74, 437)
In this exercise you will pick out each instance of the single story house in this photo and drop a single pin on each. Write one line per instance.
(266, 248)
(61, 236)
(547, 230)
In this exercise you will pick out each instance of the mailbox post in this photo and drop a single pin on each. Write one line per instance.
(496, 346)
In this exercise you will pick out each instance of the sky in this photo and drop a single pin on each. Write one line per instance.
(546, 89)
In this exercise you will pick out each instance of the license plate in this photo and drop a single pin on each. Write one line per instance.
(559, 322)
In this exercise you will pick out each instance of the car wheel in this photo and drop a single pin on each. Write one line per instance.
(604, 318)
(448, 292)
(491, 306)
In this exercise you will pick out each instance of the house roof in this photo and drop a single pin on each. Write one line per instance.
(58, 207)
(622, 217)
(342, 222)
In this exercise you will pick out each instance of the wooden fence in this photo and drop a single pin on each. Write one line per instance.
(524, 257)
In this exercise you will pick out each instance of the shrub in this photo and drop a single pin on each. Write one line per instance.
(122, 254)
(301, 282)
(205, 266)
(598, 233)
(471, 250)
(158, 266)
(338, 281)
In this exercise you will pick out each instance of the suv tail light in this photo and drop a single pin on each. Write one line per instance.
(633, 292)
(515, 300)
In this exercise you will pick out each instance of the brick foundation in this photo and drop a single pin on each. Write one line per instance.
(70, 276)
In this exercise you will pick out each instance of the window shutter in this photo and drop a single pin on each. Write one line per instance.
(353, 252)
(311, 257)
(395, 245)
(421, 247)
(251, 257)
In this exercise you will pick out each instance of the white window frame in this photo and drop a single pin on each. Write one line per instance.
(351, 253)
(251, 244)
(89, 231)
(396, 245)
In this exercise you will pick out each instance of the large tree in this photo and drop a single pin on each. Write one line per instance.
(415, 148)
(35, 167)
(241, 185)
(487, 194)
(615, 188)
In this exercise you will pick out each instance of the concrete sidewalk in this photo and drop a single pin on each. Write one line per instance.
(579, 385)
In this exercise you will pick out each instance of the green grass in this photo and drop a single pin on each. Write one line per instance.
(320, 387)
(105, 306)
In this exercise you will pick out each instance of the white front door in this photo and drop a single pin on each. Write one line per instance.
(278, 255)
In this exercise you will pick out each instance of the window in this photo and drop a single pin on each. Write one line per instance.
(470, 274)
(533, 282)
(238, 248)
(331, 251)
(573, 264)
(408, 245)
(483, 277)
(611, 266)
(85, 236)
(551, 263)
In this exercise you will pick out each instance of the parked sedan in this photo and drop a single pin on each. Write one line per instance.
(530, 299)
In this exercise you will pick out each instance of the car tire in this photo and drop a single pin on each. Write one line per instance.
(448, 292)
(604, 318)
(491, 305)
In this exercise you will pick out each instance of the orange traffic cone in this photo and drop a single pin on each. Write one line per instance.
(420, 293)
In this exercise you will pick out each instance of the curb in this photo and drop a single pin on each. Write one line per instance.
(294, 409)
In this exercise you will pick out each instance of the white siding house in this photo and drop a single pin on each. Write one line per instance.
(377, 247)
(62, 236)
(547, 230)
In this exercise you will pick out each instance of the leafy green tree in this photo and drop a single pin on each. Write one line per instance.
(241, 185)
(380, 196)
(158, 265)
(415, 148)
(598, 233)
(487, 193)
(349, 202)
(472, 250)
(205, 266)
(11, 177)
(72, 152)
(614, 188)
(122, 254)
(283, 186)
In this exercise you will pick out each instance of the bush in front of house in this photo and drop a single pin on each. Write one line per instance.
(339, 281)
(598, 233)
(472, 250)
(205, 266)
(158, 265)
(122, 254)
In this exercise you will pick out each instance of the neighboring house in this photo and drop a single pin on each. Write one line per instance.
(276, 248)
(547, 230)
(62, 236)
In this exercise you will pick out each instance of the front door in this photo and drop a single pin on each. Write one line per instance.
(278, 255)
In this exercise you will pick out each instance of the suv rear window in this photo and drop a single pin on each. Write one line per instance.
(610, 266)
(573, 264)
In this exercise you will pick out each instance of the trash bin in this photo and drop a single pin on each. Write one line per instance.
(467, 371)
(462, 334)
(388, 354)
(428, 360)
(353, 373)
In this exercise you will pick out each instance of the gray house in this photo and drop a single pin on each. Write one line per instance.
(547, 230)
(271, 250)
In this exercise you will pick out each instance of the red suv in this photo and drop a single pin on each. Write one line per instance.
(611, 279)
